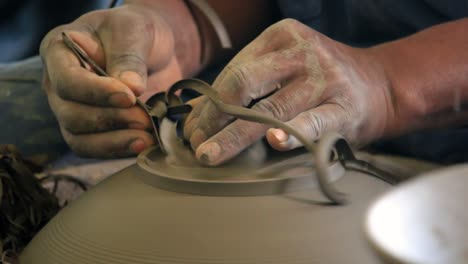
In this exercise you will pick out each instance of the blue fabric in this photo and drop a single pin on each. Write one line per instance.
(24, 23)
(369, 22)
(443, 146)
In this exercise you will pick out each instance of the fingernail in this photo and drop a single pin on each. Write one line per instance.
(290, 143)
(209, 153)
(133, 80)
(138, 145)
(136, 125)
(280, 135)
(120, 100)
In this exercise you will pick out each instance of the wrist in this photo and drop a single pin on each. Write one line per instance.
(390, 108)
(381, 111)
(427, 73)
(405, 103)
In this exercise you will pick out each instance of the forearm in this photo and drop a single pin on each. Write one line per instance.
(428, 77)
(194, 35)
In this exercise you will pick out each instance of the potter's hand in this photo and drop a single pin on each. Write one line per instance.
(299, 76)
(135, 44)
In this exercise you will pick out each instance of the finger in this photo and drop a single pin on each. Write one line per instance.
(267, 42)
(74, 83)
(311, 124)
(127, 41)
(90, 44)
(79, 118)
(190, 121)
(196, 101)
(282, 105)
(161, 80)
(118, 143)
(282, 141)
(239, 85)
(83, 34)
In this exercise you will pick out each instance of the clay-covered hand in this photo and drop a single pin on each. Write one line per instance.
(301, 77)
(135, 44)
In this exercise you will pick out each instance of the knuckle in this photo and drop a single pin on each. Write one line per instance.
(55, 104)
(73, 121)
(92, 17)
(314, 124)
(290, 29)
(297, 55)
(272, 107)
(70, 86)
(77, 120)
(295, 34)
(284, 26)
(52, 38)
(239, 75)
(127, 61)
(211, 123)
(98, 121)
(232, 137)
(128, 19)
(62, 86)
(46, 85)
(50, 44)
(126, 58)
(74, 143)
(240, 135)
(138, 24)
(94, 121)
(340, 76)
(290, 22)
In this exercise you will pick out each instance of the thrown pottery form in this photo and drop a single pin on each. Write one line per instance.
(168, 210)
(424, 220)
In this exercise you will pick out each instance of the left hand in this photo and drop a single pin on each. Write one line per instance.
(299, 76)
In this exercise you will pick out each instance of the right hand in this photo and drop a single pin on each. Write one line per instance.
(295, 74)
(97, 115)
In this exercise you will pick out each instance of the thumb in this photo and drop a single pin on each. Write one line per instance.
(311, 124)
(129, 67)
(126, 53)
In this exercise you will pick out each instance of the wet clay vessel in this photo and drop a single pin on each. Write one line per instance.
(261, 208)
